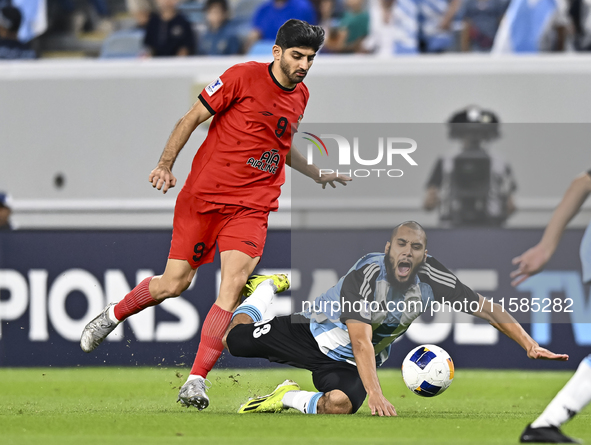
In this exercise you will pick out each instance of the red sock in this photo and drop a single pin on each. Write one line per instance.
(211, 346)
(138, 299)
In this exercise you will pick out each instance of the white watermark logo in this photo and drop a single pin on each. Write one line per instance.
(388, 149)
(365, 308)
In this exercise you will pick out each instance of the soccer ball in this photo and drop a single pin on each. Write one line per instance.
(428, 370)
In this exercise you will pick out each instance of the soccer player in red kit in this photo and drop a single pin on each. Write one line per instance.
(234, 183)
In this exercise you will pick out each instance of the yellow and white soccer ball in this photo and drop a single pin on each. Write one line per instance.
(428, 370)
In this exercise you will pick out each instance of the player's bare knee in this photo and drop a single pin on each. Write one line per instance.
(173, 290)
(231, 292)
(236, 281)
(335, 402)
(170, 289)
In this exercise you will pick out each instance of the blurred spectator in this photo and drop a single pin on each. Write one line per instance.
(435, 24)
(474, 187)
(140, 10)
(481, 21)
(353, 28)
(89, 20)
(34, 22)
(410, 26)
(5, 212)
(168, 33)
(220, 38)
(10, 46)
(270, 15)
(533, 26)
(354, 24)
(326, 13)
(580, 13)
(557, 35)
(383, 32)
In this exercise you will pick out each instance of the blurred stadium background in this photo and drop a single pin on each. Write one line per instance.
(80, 134)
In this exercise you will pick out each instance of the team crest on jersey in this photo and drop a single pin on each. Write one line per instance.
(268, 162)
(214, 86)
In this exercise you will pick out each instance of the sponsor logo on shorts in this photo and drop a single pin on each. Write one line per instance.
(268, 162)
(250, 243)
(214, 86)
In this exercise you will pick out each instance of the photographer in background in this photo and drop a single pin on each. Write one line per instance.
(473, 187)
(5, 212)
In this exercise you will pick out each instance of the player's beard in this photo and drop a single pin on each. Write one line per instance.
(394, 282)
(287, 72)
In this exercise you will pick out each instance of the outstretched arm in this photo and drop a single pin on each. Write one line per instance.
(504, 322)
(360, 334)
(296, 161)
(533, 260)
(161, 177)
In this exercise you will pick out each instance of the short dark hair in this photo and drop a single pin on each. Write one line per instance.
(413, 225)
(222, 3)
(297, 33)
(10, 18)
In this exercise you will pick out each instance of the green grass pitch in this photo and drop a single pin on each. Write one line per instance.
(137, 405)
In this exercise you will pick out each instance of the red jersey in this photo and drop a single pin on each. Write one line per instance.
(242, 160)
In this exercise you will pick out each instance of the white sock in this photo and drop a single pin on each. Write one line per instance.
(193, 377)
(304, 401)
(111, 315)
(257, 304)
(570, 400)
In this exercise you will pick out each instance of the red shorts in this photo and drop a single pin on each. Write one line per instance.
(199, 224)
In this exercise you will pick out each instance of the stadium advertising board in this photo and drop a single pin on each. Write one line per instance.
(52, 283)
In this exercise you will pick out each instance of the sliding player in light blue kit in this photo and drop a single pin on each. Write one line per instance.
(347, 333)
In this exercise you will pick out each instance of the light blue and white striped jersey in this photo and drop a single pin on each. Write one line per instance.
(364, 294)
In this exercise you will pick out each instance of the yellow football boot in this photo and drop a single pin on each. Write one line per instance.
(280, 283)
(271, 403)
